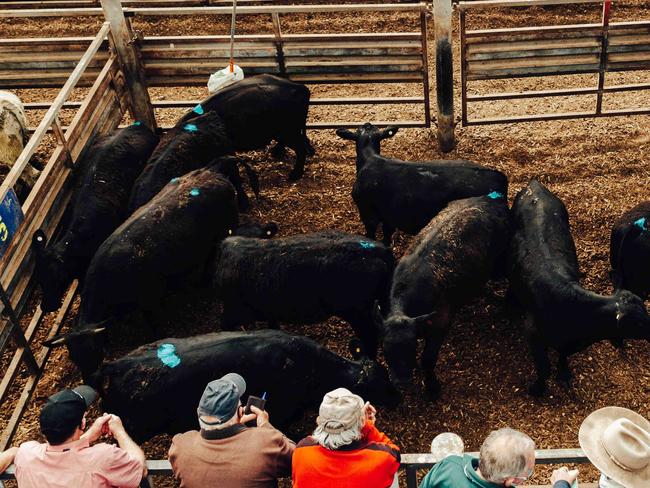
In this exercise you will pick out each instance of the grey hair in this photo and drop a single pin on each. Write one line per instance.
(504, 454)
(335, 441)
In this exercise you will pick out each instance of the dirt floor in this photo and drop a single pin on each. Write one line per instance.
(598, 167)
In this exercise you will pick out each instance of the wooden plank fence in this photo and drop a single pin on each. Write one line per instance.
(596, 49)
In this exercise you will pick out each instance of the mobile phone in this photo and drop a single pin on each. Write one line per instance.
(254, 401)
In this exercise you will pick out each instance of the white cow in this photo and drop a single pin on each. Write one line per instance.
(13, 137)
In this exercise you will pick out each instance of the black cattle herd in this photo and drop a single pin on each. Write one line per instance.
(149, 217)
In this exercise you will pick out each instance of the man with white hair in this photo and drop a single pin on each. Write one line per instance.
(507, 458)
(346, 450)
(226, 452)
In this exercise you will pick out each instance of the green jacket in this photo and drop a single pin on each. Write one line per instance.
(456, 472)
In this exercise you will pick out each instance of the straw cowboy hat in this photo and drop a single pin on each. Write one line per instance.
(617, 441)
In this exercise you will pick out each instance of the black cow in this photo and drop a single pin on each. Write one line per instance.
(165, 242)
(100, 205)
(304, 279)
(406, 195)
(560, 314)
(156, 388)
(243, 116)
(630, 251)
(446, 265)
(196, 145)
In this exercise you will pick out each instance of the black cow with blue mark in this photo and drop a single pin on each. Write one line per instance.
(196, 144)
(406, 195)
(446, 265)
(630, 251)
(105, 177)
(156, 388)
(304, 279)
(165, 242)
(544, 278)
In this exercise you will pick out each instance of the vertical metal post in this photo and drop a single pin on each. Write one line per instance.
(411, 477)
(463, 68)
(444, 74)
(425, 67)
(279, 49)
(127, 55)
(607, 4)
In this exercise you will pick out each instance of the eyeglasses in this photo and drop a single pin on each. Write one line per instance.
(521, 479)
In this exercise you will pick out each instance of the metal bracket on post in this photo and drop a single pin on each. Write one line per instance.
(277, 30)
(127, 55)
(444, 74)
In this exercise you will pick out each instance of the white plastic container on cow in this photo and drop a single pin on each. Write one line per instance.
(13, 137)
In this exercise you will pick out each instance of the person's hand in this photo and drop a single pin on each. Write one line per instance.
(262, 416)
(563, 474)
(115, 425)
(370, 412)
(97, 429)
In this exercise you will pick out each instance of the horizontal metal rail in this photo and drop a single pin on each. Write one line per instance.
(410, 463)
(215, 10)
(476, 4)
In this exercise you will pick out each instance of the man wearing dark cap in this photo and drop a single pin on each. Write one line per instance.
(67, 459)
(225, 452)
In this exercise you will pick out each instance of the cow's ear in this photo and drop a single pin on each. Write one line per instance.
(388, 132)
(270, 230)
(346, 134)
(39, 240)
(427, 320)
(356, 349)
(56, 341)
(377, 317)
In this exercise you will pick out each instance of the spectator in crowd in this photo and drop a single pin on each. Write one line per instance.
(507, 458)
(68, 459)
(226, 452)
(617, 442)
(346, 450)
(7, 457)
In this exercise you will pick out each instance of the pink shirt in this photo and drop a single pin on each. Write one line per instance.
(77, 465)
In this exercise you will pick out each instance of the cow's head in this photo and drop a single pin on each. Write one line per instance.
(367, 136)
(266, 231)
(400, 334)
(374, 385)
(85, 346)
(632, 319)
(51, 272)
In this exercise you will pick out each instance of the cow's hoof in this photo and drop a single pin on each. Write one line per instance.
(537, 389)
(278, 151)
(432, 390)
(295, 175)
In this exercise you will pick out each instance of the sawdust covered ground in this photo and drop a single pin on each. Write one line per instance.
(599, 167)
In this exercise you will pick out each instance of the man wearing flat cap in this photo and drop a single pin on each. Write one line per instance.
(346, 450)
(225, 452)
(68, 459)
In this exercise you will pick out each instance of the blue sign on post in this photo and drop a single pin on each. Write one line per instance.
(11, 216)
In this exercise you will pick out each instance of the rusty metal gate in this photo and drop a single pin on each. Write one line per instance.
(542, 51)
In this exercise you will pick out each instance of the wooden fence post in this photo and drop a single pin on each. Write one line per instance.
(136, 83)
(444, 74)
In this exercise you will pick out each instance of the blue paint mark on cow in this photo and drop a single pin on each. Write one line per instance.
(167, 355)
(195, 192)
(367, 245)
(174, 180)
(198, 110)
(641, 224)
(190, 128)
(137, 122)
(495, 194)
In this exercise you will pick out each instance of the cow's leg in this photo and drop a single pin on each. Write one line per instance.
(309, 148)
(364, 327)
(235, 315)
(279, 151)
(388, 231)
(370, 221)
(539, 352)
(297, 143)
(434, 337)
(564, 375)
